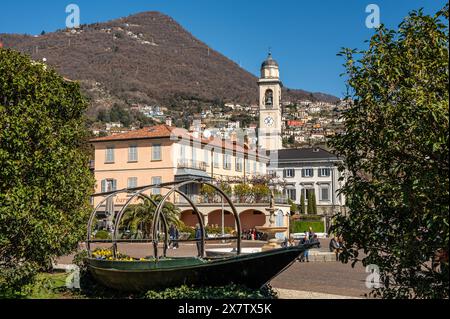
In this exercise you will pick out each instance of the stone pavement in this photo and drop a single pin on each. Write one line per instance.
(299, 294)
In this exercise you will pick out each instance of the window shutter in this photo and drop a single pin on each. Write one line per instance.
(293, 173)
(284, 173)
(114, 184)
(103, 186)
(303, 173)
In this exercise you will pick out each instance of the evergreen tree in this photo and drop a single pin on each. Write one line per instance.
(302, 204)
(45, 182)
(395, 146)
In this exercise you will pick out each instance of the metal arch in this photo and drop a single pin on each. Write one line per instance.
(175, 189)
(159, 210)
(91, 218)
(122, 212)
(154, 230)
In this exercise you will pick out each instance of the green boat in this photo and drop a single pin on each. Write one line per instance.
(252, 270)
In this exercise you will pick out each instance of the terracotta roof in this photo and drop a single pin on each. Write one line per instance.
(165, 131)
(158, 131)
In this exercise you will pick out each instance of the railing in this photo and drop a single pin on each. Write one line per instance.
(216, 199)
(190, 164)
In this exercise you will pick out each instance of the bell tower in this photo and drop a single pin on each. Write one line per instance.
(270, 106)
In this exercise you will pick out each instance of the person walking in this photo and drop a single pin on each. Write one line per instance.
(198, 240)
(335, 247)
(176, 235)
(305, 255)
(171, 236)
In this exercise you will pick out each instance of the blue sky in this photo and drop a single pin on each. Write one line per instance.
(304, 35)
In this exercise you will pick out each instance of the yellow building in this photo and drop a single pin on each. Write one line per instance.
(163, 153)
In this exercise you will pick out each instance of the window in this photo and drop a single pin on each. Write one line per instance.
(216, 160)
(109, 155)
(255, 170)
(156, 180)
(156, 152)
(226, 161)
(289, 173)
(291, 194)
(307, 172)
(247, 166)
(132, 182)
(324, 172)
(108, 185)
(239, 164)
(132, 153)
(325, 193)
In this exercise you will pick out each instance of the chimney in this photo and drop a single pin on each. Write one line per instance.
(168, 121)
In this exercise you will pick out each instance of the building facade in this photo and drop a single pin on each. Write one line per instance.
(305, 170)
(162, 153)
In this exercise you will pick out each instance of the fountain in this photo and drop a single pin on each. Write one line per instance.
(271, 230)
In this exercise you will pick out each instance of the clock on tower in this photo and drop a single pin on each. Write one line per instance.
(269, 135)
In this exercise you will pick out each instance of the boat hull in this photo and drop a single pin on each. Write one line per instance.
(252, 270)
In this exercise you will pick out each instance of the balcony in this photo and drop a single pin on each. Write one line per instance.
(239, 200)
(189, 164)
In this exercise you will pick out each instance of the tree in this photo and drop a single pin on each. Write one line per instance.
(395, 146)
(293, 207)
(302, 204)
(313, 203)
(309, 204)
(45, 182)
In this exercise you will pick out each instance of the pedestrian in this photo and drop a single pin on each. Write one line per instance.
(171, 236)
(308, 239)
(198, 240)
(311, 233)
(335, 247)
(176, 236)
(305, 255)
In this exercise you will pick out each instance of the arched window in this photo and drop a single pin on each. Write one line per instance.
(268, 100)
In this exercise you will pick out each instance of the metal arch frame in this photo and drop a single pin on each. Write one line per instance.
(154, 225)
(114, 239)
(94, 212)
(175, 189)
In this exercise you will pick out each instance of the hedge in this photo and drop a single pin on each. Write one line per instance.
(301, 226)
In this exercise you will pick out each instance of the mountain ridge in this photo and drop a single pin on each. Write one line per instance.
(145, 58)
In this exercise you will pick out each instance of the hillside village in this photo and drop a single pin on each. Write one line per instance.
(304, 122)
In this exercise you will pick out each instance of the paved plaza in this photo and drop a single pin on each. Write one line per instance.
(302, 280)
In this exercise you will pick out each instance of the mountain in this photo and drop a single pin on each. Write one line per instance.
(145, 58)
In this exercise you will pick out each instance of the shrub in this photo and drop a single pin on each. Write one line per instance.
(260, 191)
(242, 191)
(102, 234)
(231, 291)
(301, 226)
(188, 230)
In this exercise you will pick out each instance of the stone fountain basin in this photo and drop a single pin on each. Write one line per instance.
(274, 229)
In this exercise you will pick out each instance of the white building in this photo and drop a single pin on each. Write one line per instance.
(305, 170)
